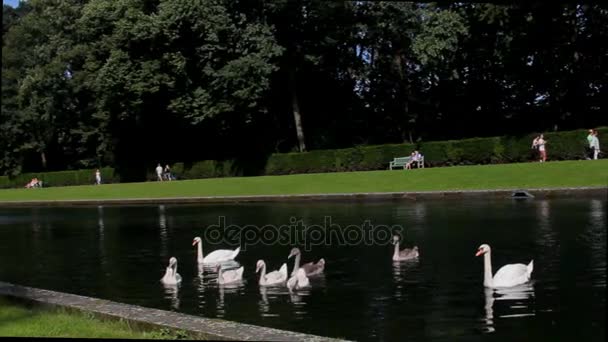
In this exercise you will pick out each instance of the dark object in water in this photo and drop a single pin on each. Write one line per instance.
(521, 194)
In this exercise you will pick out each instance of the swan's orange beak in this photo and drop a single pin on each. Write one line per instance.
(193, 242)
(479, 252)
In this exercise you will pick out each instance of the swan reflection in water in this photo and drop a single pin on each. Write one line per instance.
(517, 303)
(211, 281)
(277, 295)
(235, 289)
(404, 273)
(201, 281)
(172, 294)
(270, 292)
(199, 284)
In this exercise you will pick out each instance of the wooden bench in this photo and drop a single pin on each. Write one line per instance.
(402, 161)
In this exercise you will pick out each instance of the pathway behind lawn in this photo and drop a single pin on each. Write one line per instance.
(580, 173)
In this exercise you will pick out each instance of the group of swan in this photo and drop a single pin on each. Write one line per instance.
(298, 280)
(507, 276)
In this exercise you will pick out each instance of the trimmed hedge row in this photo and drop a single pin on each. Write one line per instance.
(565, 145)
(61, 178)
(494, 150)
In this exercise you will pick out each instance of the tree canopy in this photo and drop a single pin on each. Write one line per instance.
(130, 83)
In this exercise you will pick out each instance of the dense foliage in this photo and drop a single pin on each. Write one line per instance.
(130, 83)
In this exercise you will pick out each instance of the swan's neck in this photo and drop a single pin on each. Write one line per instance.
(263, 273)
(199, 252)
(174, 270)
(487, 270)
(396, 253)
(296, 264)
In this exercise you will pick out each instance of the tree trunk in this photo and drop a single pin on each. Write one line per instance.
(296, 110)
(43, 159)
(400, 65)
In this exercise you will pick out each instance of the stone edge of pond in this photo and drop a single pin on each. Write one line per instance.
(195, 326)
(361, 196)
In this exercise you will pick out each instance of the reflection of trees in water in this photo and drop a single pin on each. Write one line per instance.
(596, 241)
(547, 240)
(162, 224)
(101, 231)
(510, 303)
(408, 214)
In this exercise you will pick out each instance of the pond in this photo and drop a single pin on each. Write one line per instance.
(120, 253)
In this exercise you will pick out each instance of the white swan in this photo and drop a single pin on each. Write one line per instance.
(214, 257)
(272, 278)
(229, 276)
(508, 275)
(406, 253)
(171, 276)
(298, 281)
(310, 268)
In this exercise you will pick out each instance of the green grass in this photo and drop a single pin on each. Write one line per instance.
(479, 177)
(17, 320)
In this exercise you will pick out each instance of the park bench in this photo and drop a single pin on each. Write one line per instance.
(402, 161)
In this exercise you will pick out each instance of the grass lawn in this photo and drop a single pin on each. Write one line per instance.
(478, 177)
(17, 320)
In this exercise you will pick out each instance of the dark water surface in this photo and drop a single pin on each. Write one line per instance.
(120, 253)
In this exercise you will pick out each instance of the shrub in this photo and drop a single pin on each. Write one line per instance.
(204, 169)
(5, 182)
(63, 178)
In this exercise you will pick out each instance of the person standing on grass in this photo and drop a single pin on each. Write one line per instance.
(159, 172)
(167, 172)
(595, 145)
(534, 147)
(541, 148)
(97, 177)
(590, 141)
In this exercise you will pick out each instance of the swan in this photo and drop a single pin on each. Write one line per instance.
(406, 253)
(214, 257)
(298, 281)
(272, 278)
(310, 268)
(171, 276)
(508, 275)
(229, 276)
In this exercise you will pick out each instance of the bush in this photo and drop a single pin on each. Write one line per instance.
(63, 178)
(204, 169)
(348, 159)
(5, 182)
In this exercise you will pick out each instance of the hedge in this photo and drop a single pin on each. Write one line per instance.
(493, 150)
(565, 145)
(61, 178)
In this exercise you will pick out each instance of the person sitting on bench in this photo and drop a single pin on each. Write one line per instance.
(415, 158)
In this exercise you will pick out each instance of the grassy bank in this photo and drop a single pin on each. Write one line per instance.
(479, 177)
(17, 320)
